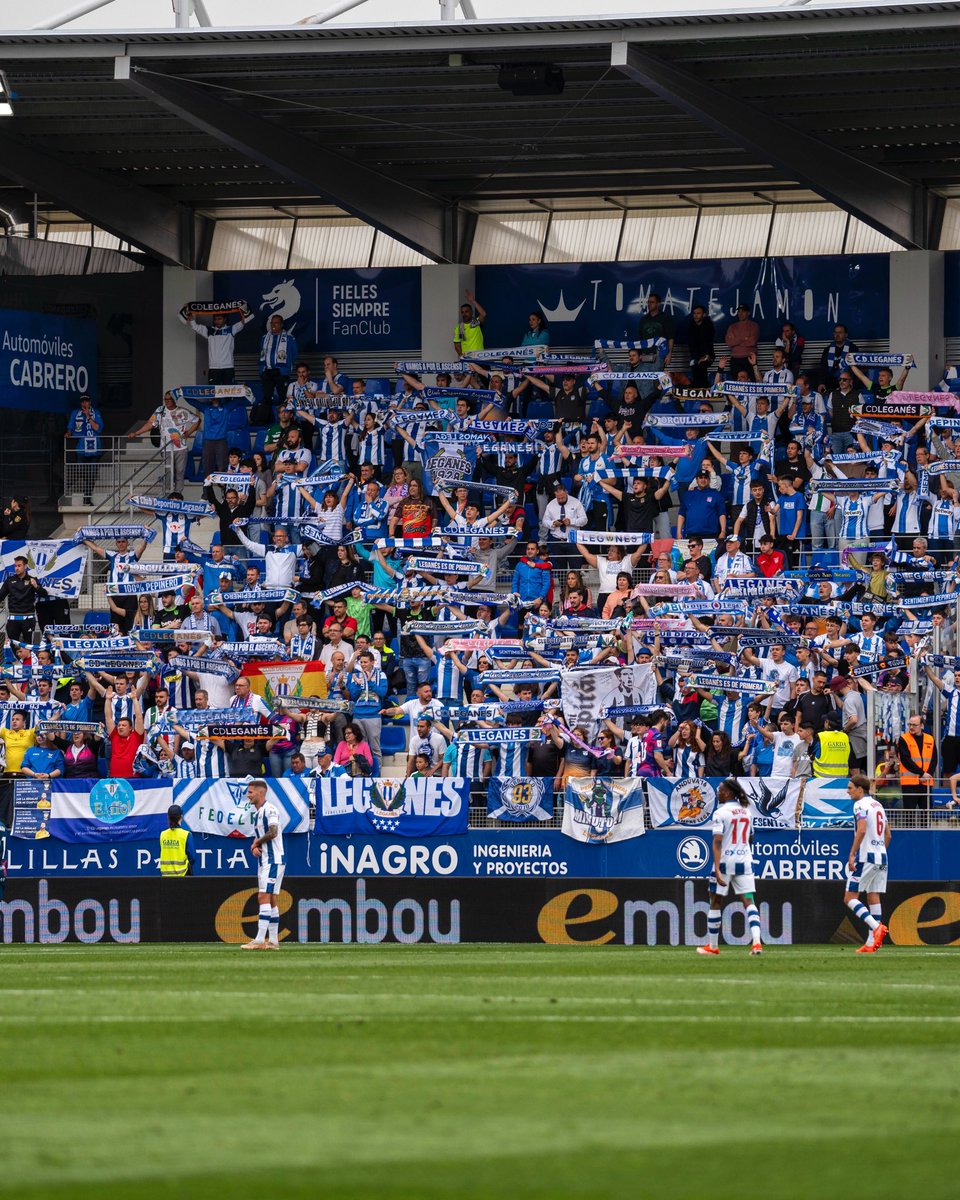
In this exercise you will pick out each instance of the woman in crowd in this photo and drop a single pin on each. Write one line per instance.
(537, 333)
(396, 493)
(720, 759)
(354, 753)
(618, 603)
(688, 751)
(80, 755)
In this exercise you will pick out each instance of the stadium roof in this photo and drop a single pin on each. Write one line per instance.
(150, 133)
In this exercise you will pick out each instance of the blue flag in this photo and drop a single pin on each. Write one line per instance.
(432, 807)
(519, 800)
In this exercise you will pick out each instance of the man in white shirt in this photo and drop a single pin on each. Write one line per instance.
(280, 559)
(785, 742)
(335, 641)
(563, 513)
(775, 669)
(219, 337)
(733, 563)
(176, 426)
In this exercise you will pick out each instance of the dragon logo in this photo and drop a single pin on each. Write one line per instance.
(283, 300)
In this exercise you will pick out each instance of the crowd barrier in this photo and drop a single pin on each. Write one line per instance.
(90, 811)
(591, 912)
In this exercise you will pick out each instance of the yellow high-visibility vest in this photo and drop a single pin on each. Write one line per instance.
(833, 761)
(173, 852)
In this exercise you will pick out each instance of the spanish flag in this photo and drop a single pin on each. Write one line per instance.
(273, 680)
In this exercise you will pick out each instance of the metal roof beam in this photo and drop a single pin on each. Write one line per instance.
(132, 213)
(891, 205)
(411, 216)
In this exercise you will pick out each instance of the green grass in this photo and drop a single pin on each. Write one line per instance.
(477, 1071)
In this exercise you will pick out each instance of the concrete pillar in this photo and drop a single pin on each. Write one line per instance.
(184, 354)
(442, 294)
(916, 314)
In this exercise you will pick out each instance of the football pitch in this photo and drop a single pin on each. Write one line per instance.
(478, 1071)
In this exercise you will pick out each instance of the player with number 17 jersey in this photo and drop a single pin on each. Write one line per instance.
(732, 865)
(734, 825)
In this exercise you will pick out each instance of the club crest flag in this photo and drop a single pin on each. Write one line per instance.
(88, 811)
(58, 565)
(603, 810)
(519, 800)
(433, 807)
(221, 806)
(826, 805)
(274, 681)
(681, 803)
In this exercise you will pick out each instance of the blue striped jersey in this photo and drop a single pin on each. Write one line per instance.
(449, 680)
(329, 440)
(512, 759)
(372, 448)
(688, 762)
(272, 852)
(211, 760)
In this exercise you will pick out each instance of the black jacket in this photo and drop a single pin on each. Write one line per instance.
(226, 514)
(700, 340)
(749, 524)
(21, 596)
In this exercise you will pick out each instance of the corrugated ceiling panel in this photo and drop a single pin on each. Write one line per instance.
(340, 242)
(950, 236)
(77, 234)
(808, 229)
(512, 238)
(730, 231)
(250, 246)
(659, 233)
(388, 252)
(583, 237)
(862, 239)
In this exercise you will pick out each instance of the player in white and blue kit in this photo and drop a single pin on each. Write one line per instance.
(268, 848)
(732, 864)
(867, 865)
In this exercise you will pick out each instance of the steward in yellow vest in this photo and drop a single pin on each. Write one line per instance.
(831, 758)
(176, 846)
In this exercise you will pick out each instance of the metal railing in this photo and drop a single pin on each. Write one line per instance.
(900, 818)
(123, 467)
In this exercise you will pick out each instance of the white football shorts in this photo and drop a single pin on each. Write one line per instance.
(868, 877)
(740, 885)
(270, 877)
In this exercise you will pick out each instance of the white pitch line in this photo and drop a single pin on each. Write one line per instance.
(494, 1018)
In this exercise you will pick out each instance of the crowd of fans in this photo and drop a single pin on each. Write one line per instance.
(548, 515)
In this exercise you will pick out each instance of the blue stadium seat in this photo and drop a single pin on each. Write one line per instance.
(99, 616)
(539, 410)
(393, 738)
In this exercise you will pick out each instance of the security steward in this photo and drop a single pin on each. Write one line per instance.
(831, 751)
(177, 856)
(917, 752)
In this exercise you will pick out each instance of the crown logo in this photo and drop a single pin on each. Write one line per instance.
(561, 312)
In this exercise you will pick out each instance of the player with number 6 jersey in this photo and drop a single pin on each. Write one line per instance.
(732, 864)
(867, 865)
(267, 847)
